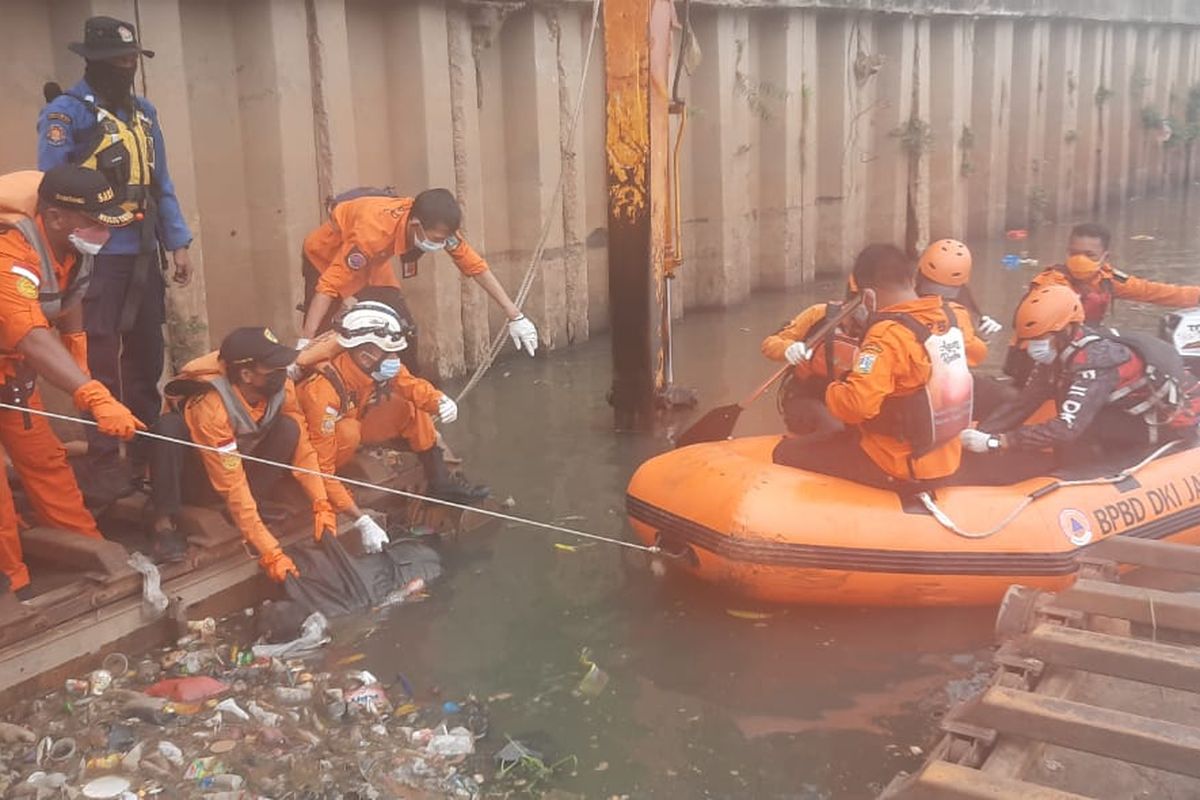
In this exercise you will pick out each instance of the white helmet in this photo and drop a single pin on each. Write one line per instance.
(371, 322)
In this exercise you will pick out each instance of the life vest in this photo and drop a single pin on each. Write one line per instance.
(18, 205)
(1154, 385)
(205, 374)
(941, 409)
(352, 406)
(834, 355)
(123, 152)
(1097, 299)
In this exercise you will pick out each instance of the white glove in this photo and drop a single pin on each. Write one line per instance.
(293, 370)
(988, 327)
(373, 536)
(524, 334)
(797, 353)
(978, 441)
(447, 410)
(302, 343)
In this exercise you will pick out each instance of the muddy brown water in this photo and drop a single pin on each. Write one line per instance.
(801, 703)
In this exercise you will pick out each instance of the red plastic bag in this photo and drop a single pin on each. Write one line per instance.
(191, 689)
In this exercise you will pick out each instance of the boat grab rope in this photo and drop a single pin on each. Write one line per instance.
(949, 524)
(535, 260)
(487, 512)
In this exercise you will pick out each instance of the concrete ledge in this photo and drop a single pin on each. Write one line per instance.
(73, 551)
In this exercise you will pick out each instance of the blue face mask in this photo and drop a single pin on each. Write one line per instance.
(387, 369)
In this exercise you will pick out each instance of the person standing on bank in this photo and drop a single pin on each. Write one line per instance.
(102, 124)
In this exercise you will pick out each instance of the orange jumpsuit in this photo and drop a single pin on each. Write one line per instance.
(892, 363)
(209, 424)
(338, 422)
(354, 247)
(37, 454)
(1109, 283)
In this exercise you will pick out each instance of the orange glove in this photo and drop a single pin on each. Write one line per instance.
(277, 565)
(76, 344)
(112, 418)
(324, 519)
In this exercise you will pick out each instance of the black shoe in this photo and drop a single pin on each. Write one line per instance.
(24, 593)
(456, 489)
(170, 546)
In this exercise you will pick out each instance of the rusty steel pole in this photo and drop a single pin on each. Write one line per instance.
(637, 44)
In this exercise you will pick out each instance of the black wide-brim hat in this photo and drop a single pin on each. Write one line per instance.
(105, 38)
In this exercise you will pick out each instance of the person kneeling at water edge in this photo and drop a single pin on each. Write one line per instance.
(364, 394)
(1112, 392)
(236, 401)
(909, 394)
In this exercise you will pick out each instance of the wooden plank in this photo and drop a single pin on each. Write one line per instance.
(1148, 606)
(1148, 553)
(1174, 666)
(941, 780)
(1113, 734)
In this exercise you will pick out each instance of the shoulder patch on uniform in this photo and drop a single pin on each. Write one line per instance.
(56, 134)
(59, 116)
(27, 273)
(26, 289)
(865, 362)
(452, 242)
(1120, 276)
(356, 259)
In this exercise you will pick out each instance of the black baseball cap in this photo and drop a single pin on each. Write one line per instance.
(105, 38)
(84, 190)
(259, 345)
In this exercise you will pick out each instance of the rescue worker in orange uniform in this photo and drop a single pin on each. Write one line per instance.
(802, 393)
(944, 270)
(363, 394)
(1112, 393)
(52, 225)
(1099, 284)
(909, 394)
(235, 401)
(354, 247)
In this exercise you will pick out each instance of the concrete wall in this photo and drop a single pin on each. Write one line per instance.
(813, 127)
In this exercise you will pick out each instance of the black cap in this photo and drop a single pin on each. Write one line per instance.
(105, 38)
(258, 345)
(83, 190)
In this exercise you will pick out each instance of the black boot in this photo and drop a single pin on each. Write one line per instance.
(446, 486)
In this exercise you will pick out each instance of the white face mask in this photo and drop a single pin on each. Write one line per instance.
(428, 246)
(87, 246)
(1041, 351)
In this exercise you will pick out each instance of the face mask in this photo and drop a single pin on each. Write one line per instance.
(1041, 351)
(274, 382)
(89, 241)
(111, 82)
(428, 246)
(387, 369)
(1082, 267)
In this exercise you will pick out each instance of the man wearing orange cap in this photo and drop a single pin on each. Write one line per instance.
(51, 227)
(1107, 396)
(354, 247)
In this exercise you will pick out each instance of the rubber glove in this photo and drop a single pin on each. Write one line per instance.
(797, 353)
(978, 441)
(447, 410)
(373, 536)
(324, 519)
(112, 418)
(524, 334)
(76, 344)
(277, 565)
(988, 327)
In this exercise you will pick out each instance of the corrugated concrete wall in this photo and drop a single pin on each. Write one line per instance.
(810, 132)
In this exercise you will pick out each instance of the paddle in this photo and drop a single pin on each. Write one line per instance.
(718, 424)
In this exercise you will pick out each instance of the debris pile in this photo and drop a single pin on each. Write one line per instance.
(210, 718)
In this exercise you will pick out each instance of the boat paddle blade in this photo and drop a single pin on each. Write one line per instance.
(714, 426)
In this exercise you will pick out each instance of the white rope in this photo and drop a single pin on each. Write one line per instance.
(487, 512)
(949, 524)
(536, 259)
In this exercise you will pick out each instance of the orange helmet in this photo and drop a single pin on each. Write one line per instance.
(946, 261)
(1082, 267)
(1046, 310)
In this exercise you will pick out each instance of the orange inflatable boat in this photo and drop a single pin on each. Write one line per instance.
(780, 534)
